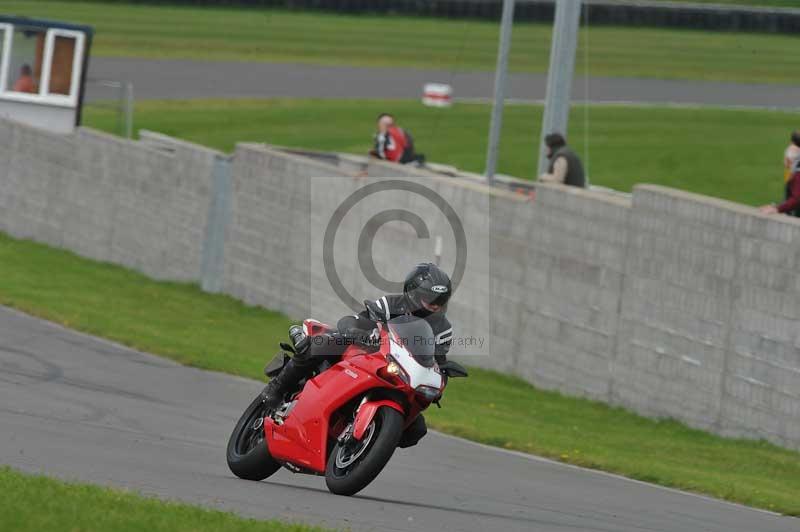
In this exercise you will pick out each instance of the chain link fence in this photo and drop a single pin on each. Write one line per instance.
(109, 102)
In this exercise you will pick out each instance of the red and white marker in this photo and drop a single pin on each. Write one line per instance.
(437, 95)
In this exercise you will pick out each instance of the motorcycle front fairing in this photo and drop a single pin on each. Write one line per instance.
(302, 438)
(412, 345)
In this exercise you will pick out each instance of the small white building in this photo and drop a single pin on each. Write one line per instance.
(43, 68)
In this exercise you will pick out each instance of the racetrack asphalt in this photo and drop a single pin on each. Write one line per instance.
(81, 408)
(184, 79)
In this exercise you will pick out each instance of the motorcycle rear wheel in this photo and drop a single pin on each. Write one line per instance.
(350, 467)
(247, 454)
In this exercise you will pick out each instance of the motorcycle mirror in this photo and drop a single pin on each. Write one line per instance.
(453, 369)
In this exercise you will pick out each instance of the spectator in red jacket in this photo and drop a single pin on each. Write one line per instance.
(393, 143)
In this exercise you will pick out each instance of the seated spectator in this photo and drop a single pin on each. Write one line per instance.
(791, 175)
(565, 166)
(791, 204)
(25, 81)
(393, 143)
(791, 156)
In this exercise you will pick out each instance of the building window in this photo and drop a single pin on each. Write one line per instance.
(41, 65)
(25, 60)
(62, 65)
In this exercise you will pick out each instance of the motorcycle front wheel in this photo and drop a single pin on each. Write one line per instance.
(248, 456)
(353, 464)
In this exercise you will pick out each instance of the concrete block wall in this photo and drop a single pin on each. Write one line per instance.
(571, 253)
(762, 375)
(668, 303)
(266, 248)
(710, 321)
(676, 307)
(268, 259)
(36, 168)
(107, 198)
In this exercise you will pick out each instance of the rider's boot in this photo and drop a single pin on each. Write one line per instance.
(283, 382)
(296, 369)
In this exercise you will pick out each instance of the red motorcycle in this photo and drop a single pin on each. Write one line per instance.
(346, 420)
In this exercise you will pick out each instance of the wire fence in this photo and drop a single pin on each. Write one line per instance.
(111, 102)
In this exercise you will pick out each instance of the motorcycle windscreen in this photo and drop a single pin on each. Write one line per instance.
(416, 335)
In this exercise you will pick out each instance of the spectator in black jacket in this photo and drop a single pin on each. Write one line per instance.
(565, 166)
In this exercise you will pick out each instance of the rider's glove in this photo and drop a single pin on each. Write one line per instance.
(374, 312)
(374, 339)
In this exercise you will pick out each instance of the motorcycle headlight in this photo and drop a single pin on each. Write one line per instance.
(394, 369)
(429, 393)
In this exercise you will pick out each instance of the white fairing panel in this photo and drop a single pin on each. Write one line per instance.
(418, 374)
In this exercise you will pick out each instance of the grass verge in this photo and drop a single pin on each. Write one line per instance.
(216, 332)
(747, 3)
(36, 503)
(260, 34)
(731, 154)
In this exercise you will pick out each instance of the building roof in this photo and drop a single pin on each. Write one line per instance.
(44, 24)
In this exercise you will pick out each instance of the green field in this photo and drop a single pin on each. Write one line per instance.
(736, 155)
(325, 38)
(36, 504)
(216, 332)
(753, 3)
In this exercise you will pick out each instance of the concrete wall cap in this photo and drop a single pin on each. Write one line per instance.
(108, 137)
(718, 203)
(270, 150)
(599, 195)
(146, 135)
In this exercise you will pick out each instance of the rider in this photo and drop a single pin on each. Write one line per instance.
(426, 291)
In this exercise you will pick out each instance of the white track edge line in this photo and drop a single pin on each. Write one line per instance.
(518, 454)
(537, 458)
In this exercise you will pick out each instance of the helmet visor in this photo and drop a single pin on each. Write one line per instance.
(431, 307)
(431, 301)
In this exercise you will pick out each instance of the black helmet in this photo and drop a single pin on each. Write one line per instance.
(427, 288)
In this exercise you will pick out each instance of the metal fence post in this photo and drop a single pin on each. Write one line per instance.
(500, 78)
(128, 90)
(559, 76)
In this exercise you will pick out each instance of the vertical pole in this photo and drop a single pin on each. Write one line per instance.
(121, 108)
(129, 110)
(500, 78)
(212, 262)
(559, 76)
